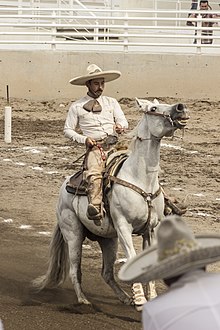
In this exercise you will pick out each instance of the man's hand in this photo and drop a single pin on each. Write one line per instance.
(90, 142)
(119, 129)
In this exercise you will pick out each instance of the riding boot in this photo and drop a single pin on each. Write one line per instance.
(174, 207)
(94, 210)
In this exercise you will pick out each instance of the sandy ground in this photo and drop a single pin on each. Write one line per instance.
(33, 168)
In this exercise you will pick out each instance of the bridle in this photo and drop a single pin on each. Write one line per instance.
(152, 113)
(164, 115)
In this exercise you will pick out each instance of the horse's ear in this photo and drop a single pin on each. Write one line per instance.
(155, 101)
(142, 103)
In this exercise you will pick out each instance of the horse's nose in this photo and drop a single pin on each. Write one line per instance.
(179, 107)
(179, 112)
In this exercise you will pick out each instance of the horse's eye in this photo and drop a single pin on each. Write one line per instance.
(153, 109)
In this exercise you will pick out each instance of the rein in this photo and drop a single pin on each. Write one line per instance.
(149, 139)
(83, 155)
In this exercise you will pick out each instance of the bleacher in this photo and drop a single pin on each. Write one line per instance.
(54, 3)
(60, 24)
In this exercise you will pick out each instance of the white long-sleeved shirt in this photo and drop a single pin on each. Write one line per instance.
(192, 303)
(94, 125)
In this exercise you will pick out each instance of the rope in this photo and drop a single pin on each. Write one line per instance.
(75, 161)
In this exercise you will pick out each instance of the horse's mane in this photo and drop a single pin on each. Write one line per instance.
(141, 104)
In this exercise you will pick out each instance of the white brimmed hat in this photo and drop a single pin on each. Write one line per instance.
(93, 72)
(178, 251)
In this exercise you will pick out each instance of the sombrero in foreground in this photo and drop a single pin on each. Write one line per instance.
(178, 251)
(93, 72)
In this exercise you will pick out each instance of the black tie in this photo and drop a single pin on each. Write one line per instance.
(93, 105)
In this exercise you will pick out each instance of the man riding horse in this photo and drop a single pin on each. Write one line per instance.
(135, 203)
(100, 119)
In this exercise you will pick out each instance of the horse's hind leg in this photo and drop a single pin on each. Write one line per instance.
(73, 232)
(109, 247)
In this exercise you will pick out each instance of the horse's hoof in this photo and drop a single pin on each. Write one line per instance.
(139, 308)
(152, 297)
(84, 302)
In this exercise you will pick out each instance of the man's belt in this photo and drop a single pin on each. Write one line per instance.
(106, 144)
(108, 141)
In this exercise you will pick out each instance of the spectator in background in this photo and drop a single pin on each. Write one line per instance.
(193, 298)
(194, 6)
(204, 5)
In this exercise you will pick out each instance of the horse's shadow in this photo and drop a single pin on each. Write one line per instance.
(94, 309)
(66, 302)
(107, 306)
(54, 296)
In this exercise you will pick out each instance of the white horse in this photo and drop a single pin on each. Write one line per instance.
(137, 208)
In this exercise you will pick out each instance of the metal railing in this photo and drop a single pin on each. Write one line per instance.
(107, 29)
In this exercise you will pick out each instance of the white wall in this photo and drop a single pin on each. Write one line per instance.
(45, 74)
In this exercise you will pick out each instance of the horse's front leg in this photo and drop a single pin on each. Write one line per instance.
(124, 231)
(151, 292)
(109, 247)
(72, 231)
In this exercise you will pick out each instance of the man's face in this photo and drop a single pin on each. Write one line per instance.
(96, 86)
(204, 6)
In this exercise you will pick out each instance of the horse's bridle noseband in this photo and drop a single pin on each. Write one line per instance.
(164, 115)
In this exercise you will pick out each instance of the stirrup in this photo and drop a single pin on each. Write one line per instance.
(93, 212)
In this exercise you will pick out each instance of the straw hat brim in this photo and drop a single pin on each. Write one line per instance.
(107, 75)
(146, 267)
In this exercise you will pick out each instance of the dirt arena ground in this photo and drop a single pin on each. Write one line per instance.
(33, 167)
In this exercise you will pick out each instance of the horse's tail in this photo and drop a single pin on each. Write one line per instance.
(58, 263)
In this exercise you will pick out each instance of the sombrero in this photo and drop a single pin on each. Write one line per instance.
(92, 72)
(177, 251)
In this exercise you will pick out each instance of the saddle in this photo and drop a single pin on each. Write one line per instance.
(78, 186)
